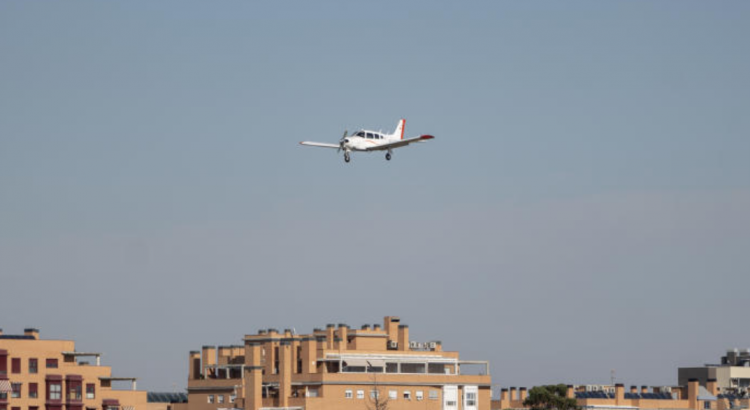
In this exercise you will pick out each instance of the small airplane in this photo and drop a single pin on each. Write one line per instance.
(366, 140)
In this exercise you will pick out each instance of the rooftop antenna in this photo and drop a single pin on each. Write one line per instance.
(612, 376)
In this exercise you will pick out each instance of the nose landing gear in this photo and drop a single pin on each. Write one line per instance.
(388, 156)
(346, 157)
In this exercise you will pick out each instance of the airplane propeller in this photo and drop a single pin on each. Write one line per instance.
(341, 142)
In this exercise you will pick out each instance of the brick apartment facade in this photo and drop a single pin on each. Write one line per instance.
(336, 368)
(40, 374)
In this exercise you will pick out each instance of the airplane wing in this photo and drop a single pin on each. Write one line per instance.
(400, 143)
(319, 144)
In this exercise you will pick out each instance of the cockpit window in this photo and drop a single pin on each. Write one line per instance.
(360, 134)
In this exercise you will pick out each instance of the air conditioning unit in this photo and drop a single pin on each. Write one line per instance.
(433, 345)
(414, 345)
(392, 344)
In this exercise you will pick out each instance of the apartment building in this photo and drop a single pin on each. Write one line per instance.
(38, 374)
(732, 374)
(690, 396)
(374, 367)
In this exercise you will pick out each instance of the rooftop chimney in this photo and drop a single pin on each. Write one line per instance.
(403, 337)
(712, 387)
(343, 334)
(693, 393)
(330, 333)
(619, 393)
(31, 332)
(390, 324)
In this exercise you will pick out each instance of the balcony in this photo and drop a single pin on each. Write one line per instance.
(225, 371)
(403, 364)
(107, 381)
(72, 357)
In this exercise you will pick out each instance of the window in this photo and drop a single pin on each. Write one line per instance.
(232, 398)
(55, 391)
(220, 398)
(360, 394)
(471, 399)
(420, 395)
(348, 394)
(52, 363)
(74, 393)
(210, 398)
(15, 365)
(392, 394)
(434, 395)
(407, 395)
(33, 366)
(413, 368)
(33, 391)
(354, 369)
(391, 367)
(312, 392)
(15, 390)
(299, 359)
(374, 394)
(707, 405)
(90, 391)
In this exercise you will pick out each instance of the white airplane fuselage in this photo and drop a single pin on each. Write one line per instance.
(368, 140)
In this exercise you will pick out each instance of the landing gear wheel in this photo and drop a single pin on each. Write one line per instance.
(346, 157)
(388, 156)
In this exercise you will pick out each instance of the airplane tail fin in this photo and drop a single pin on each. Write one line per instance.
(399, 133)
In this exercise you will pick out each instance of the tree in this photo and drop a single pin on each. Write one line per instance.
(377, 400)
(550, 397)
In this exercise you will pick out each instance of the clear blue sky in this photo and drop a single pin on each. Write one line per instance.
(584, 207)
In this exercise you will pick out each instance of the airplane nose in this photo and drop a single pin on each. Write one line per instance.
(346, 141)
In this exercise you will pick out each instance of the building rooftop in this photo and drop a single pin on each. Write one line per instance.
(166, 397)
(606, 395)
(17, 337)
